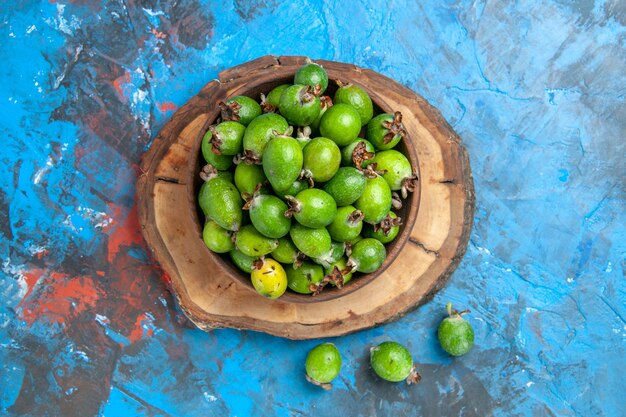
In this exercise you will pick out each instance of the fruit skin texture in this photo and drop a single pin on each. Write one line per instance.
(335, 253)
(249, 109)
(312, 74)
(397, 166)
(229, 134)
(380, 234)
(282, 162)
(322, 158)
(252, 243)
(455, 334)
(376, 132)
(316, 208)
(221, 202)
(243, 262)
(220, 162)
(217, 238)
(270, 280)
(301, 278)
(267, 214)
(248, 176)
(357, 98)
(342, 229)
(375, 202)
(323, 363)
(260, 131)
(299, 105)
(391, 361)
(346, 186)
(368, 254)
(341, 123)
(273, 97)
(293, 189)
(312, 242)
(286, 252)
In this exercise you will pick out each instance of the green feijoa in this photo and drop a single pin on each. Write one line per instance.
(346, 186)
(375, 202)
(325, 103)
(359, 153)
(367, 255)
(220, 201)
(299, 105)
(399, 173)
(311, 242)
(322, 158)
(209, 172)
(347, 224)
(339, 267)
(341, 123)
(385, 231)
(312, 208)
(259, 132)
(357, 98)
(337, 250)
(243, 262)
(226, 138)
(282, 162)
(385, 131)
(300, 279)
(217, 238)
(286, 252)
(312, 75)
(267, 214)
(455, 334)
(392, 362)
(322, 365)
(248, 177)
(240, 109)
(252, 243)
(271, 102)
(220, 162)
(294, 189)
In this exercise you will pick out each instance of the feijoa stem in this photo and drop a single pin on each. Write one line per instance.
(265, 106)
(408, 185)
(230, 111)
(414, 377)
(294, 206)
(360, 154)
(395, 127)
(208, 172)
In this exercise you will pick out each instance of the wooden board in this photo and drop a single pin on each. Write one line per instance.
(213, 294)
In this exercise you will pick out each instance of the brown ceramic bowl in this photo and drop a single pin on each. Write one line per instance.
(408, 212)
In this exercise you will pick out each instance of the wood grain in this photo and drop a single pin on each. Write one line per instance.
(213, 293)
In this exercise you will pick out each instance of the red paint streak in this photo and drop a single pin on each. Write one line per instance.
(125, 232)
(31, 278)
(62, 298)
(120, 81)
(139, 331)
(42, 254)
(167, 106)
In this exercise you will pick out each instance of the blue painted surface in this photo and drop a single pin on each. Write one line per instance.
(535, 89)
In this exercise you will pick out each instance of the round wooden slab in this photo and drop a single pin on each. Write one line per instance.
(210, 291)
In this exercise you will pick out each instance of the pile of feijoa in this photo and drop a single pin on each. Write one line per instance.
(300, 189)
